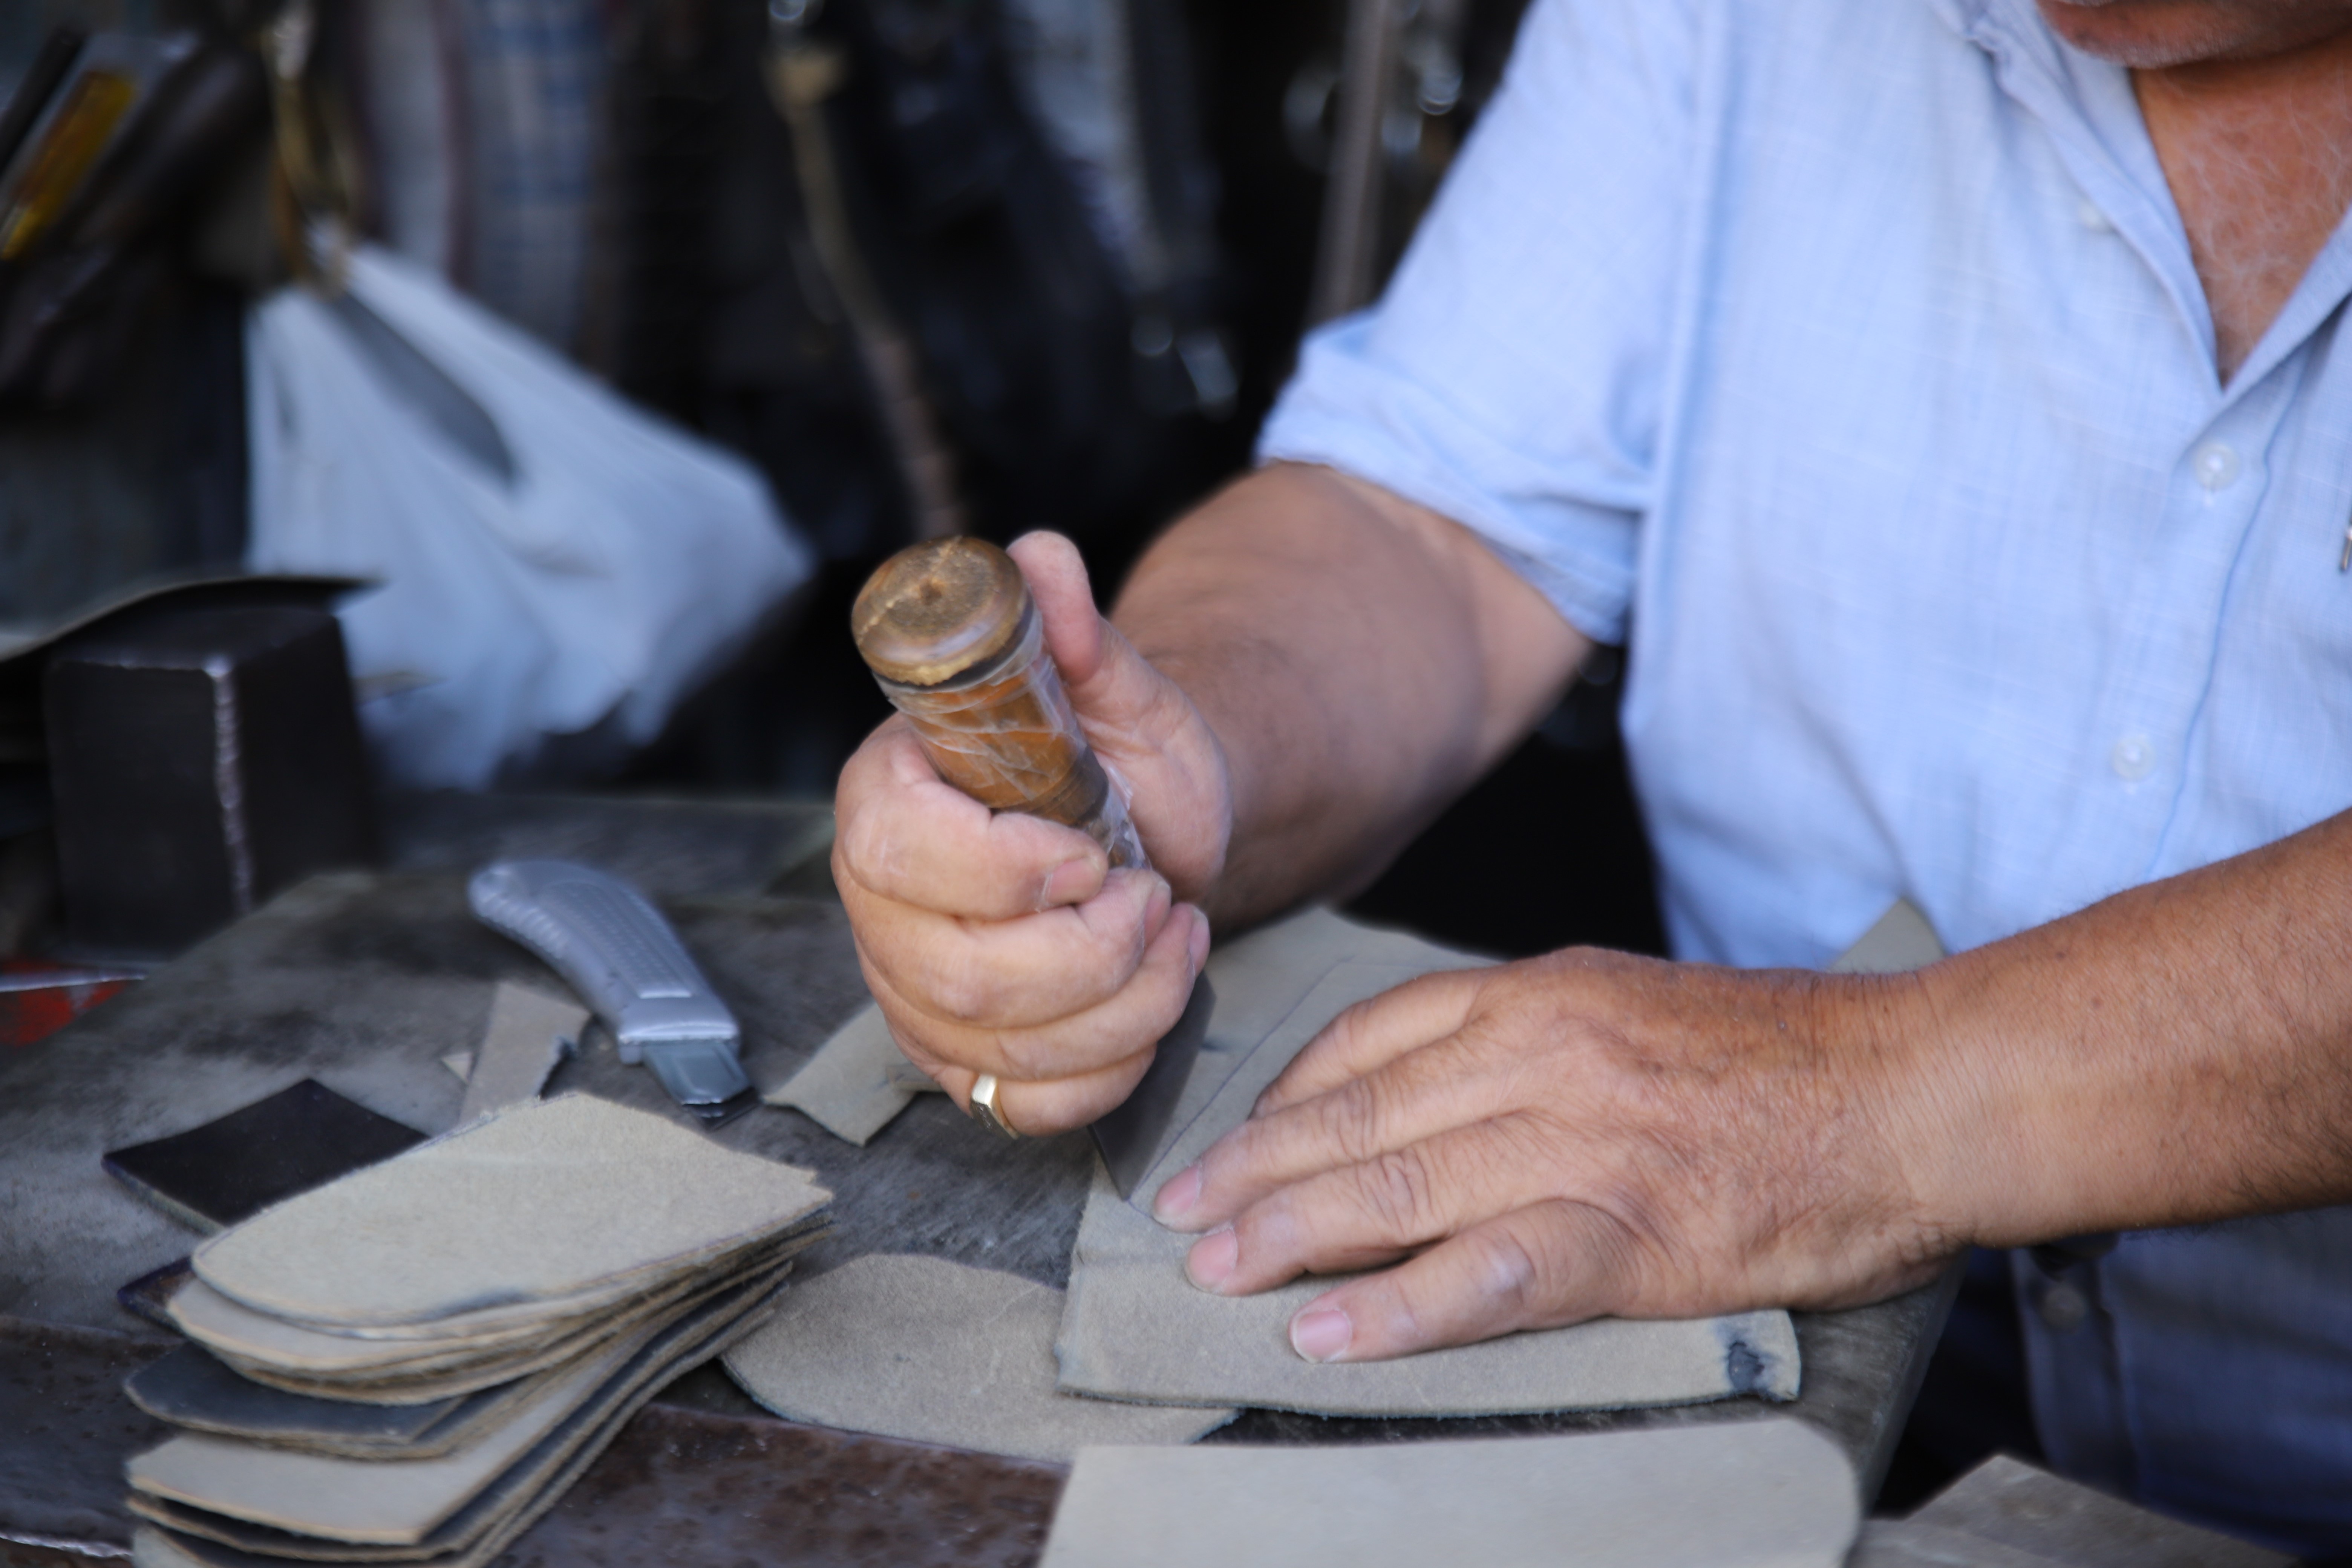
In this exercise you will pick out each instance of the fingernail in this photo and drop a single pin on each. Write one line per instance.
(1199, 942)
(1176, 1199)
(1211, 1262)
(1067, 885)
(1321, 1333)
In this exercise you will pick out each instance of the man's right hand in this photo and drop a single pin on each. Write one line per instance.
(1000, 943)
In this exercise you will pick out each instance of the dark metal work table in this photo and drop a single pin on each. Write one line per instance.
(366, 981)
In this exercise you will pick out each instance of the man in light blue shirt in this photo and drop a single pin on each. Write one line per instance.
(1940, 398)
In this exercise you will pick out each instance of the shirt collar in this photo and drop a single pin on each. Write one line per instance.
(2088, 106)
(2003, 28)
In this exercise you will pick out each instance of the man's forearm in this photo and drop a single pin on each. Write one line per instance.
(2181, 1052)
(1361, 660)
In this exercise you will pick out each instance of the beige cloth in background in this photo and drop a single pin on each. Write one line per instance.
(935, 1352)
(1748, 1494)
(546, 1209)
(527, 1034)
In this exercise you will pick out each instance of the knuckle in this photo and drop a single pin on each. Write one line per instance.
(1513, 1266)
(1353, 1120)
(1398, 1189)
(865, 848)
(1027, 1056)
(965, 989)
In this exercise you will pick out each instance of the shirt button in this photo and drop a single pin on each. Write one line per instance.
(2216, 465)
(2088, 215)
(2133, 758)
(2064, 1308)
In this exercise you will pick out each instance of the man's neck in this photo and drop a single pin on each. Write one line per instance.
(2258, 156)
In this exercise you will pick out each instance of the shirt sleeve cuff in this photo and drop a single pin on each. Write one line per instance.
(1579, 554)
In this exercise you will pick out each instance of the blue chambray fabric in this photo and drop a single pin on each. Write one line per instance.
(1847, 358)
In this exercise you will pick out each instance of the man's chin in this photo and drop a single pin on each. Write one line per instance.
(2150, 35)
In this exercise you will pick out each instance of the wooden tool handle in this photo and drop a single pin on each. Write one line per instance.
(953, 637)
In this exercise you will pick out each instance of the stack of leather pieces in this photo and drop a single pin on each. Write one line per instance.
(412, 1363)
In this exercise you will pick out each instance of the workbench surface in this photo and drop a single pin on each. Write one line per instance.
(364, 981)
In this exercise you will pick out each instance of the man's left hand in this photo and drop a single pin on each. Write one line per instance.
(1573, 1136)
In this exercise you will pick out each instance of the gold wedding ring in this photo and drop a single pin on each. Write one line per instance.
(984, 1090)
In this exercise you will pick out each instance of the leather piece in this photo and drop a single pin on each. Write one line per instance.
(67, 1428)
(857, 1081)
(294, 1359)
(450, 1504)
(197, 1393)
(1749, 1494)
(526, 1034)
(553, 1206)
(234, 1166)
(939, 1353)
(736, 1485)
(1135, 1328)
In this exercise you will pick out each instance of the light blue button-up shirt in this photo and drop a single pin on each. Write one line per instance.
(1846, 358)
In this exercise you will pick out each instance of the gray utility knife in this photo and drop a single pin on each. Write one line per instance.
(601, 936)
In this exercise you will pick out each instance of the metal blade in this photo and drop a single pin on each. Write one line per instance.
(1131, 1136)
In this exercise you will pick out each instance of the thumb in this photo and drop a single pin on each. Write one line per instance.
(1125, 703)
(1065, 601)
(1139, 722)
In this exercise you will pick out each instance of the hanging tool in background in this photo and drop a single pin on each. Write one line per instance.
(1401, 79)
(38, 999)
(113, 149)
(803, 71)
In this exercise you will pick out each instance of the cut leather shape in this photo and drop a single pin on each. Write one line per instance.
(551, 1206)
(479, 1533)
(1133, 1327)
(438, 1505)
(935, 1352)
(1748, 1494)
(237, 1165)
(527, 1034)
(857, 1081)
(195, 1392)
(302, 1361)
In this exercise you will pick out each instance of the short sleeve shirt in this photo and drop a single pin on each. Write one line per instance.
(1846, 360)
